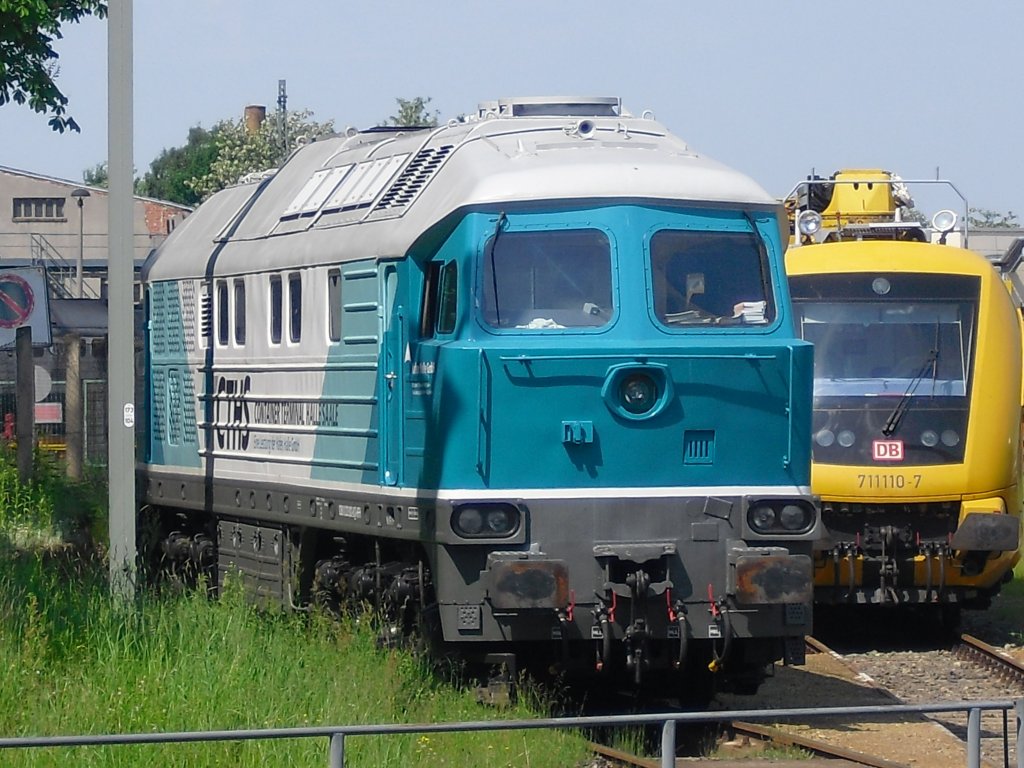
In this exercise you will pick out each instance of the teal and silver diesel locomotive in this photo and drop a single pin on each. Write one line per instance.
(526, 382)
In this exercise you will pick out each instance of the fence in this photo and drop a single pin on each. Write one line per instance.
(50, 418)
(336, 735)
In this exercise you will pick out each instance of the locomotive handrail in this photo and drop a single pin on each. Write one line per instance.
(336, 734)
(631, 356)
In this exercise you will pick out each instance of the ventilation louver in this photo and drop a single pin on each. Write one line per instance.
(414, 178)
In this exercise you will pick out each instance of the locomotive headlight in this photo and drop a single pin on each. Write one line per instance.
(944, 221)
(793, 517)
(809, 223)
(469, 520)
(825, 437)
(498, 521)
(639, 393)
(950, 438)
(847, 438)
(761, 518)
(929, 439)
(486, 521)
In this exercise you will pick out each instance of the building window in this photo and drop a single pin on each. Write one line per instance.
(39, 208)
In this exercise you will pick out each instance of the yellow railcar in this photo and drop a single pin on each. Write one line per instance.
(917, 430)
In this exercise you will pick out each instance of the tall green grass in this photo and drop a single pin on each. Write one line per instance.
(74, 661)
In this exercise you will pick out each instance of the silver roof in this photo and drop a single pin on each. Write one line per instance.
(374, 193)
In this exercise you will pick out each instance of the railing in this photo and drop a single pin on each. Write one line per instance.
(59, 271)
(336, 735)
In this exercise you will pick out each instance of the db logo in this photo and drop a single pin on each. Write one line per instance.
(887, 450)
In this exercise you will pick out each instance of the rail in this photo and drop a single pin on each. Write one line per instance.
(668, 721)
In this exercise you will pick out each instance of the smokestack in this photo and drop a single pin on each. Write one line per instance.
(255, 114)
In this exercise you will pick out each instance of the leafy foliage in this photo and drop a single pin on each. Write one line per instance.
(985, 218)
(97, 176)
(240, 152)
(28, 63)
(170, 175)
(413, 112)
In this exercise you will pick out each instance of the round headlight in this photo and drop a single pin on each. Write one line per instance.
(825, 438)
(469, 520)
(929, 439)
(846, 438)
(499, 521)
(881, 286)
(762, 518)
(809, 222)
(638, 392)
(950, 438)
(793, 517)
(944, 221)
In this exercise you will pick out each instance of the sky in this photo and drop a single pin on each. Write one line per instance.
(774, 89)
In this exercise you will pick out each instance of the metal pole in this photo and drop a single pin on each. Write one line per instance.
(79, 266)
(120, 316)
(1018, 707)
(337, 750)
(73, 410)
(668, 744)
(974, 738)
(24, 419)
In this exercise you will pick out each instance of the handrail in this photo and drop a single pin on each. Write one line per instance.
(668, 720)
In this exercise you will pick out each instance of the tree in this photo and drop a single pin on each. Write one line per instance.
(413, 112)
(170, 175)
(240, 152)
(985, 218)
(28, 63)
(97, 176)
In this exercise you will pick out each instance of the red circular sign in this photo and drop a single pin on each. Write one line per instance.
(16, 301)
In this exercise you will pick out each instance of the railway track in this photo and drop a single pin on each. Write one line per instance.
(965, 669)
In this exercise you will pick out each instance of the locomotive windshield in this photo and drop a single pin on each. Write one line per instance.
(704, 278)
(547, 279)
(892, 361)
(885, 345)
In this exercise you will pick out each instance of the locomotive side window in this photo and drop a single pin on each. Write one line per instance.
(222, 312)
(276, 301)
(334, 304)
(440, 299)
(295, 307)
(239, 286)
(547, 280)
(448, 298)
(702, 278)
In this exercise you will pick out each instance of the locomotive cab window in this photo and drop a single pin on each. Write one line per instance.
(709, 278)
(547, 280)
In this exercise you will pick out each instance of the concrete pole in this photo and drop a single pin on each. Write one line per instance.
(25, 421)
(74, 415)
(120, 315)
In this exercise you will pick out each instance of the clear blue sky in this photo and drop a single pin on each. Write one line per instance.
(771, 88)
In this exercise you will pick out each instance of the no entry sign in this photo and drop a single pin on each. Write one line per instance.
(23, 302)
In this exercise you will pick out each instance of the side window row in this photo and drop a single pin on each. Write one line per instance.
(281, 312)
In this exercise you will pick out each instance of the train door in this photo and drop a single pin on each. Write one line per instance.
(392, 381)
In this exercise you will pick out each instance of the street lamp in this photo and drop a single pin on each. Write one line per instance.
(80, 195)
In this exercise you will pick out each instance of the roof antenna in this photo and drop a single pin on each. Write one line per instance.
(282, 116)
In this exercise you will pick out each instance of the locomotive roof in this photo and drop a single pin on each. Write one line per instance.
(373, 193)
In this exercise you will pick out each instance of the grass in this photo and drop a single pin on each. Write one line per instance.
(78, 662)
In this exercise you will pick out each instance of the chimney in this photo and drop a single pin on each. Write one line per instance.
(255, 114)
